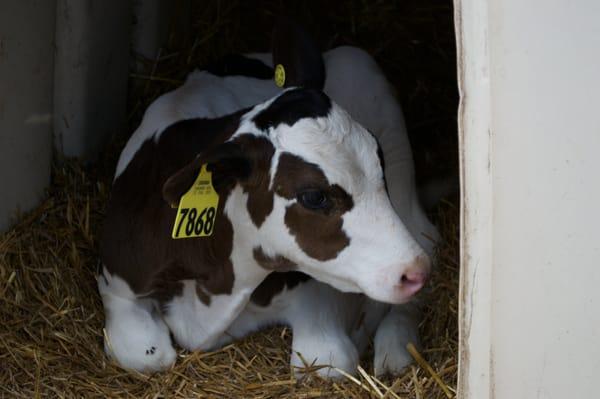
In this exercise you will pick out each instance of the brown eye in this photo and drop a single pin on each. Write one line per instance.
(313, 199)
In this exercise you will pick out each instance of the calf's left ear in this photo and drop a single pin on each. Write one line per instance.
(227, 164)
(298, 55)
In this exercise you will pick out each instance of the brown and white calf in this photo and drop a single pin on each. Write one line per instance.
(301, 188)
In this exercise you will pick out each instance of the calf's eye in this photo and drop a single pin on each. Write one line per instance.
(313, 199)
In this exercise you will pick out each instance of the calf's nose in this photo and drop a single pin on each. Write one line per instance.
(416, 274)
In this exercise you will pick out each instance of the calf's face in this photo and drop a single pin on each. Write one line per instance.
(314, 192)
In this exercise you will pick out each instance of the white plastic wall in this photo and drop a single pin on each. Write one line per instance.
(63, 74)
(91, 69)
(26, 71)
(530, 131)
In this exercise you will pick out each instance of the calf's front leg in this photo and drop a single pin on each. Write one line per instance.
(396, 330)
(136, 336)
(321, 318)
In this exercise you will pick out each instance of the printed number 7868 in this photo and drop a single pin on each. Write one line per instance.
(196, 224)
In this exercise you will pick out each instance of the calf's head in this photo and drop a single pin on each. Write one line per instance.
(303, 188)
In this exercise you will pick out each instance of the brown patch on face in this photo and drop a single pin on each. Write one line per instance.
(319, 233)
(260, 204)
(274, 284)
(276, 263)
(323, 244)
(260, 199)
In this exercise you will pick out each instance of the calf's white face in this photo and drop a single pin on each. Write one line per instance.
(327, 212)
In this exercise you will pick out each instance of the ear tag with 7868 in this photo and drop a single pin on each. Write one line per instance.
(197, 209)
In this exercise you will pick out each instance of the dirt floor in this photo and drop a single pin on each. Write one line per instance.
(50, 312)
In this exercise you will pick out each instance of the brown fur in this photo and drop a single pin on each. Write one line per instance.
(318, 233)
(260, 198)
(275, 263)
(274, 284)
(136, 240)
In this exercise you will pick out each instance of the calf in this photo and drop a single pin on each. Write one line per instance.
(300, 187)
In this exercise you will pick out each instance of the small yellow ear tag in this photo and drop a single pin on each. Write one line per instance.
(197, 209)
(279, 75)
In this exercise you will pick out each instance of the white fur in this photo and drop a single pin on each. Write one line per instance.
(332, 329)
(370, 264)
(397, 328)
(202, 96)
(135, 334)
(321, 324)
(347, 154)
(196, 325)
(352, 71)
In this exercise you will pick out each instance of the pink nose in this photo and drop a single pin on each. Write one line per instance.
(416, 275)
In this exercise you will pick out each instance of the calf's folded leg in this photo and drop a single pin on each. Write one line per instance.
(136, 336)
(398, 328)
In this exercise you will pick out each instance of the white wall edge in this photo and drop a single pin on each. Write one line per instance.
(475, 377)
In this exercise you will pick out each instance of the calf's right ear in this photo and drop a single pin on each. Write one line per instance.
(227, 164)
(296, 51)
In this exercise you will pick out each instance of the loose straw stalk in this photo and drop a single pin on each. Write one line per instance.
(423, 363)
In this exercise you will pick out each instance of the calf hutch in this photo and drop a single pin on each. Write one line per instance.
(271, 199)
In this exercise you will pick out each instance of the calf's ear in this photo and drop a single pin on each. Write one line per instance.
(295, 50)
(227, 164)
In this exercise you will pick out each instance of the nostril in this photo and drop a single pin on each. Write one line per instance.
(413, 277)
(412, 281)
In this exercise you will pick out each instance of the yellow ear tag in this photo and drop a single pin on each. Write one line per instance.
(279, 75)
(197, 209)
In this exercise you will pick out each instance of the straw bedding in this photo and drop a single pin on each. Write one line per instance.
(50, 312)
